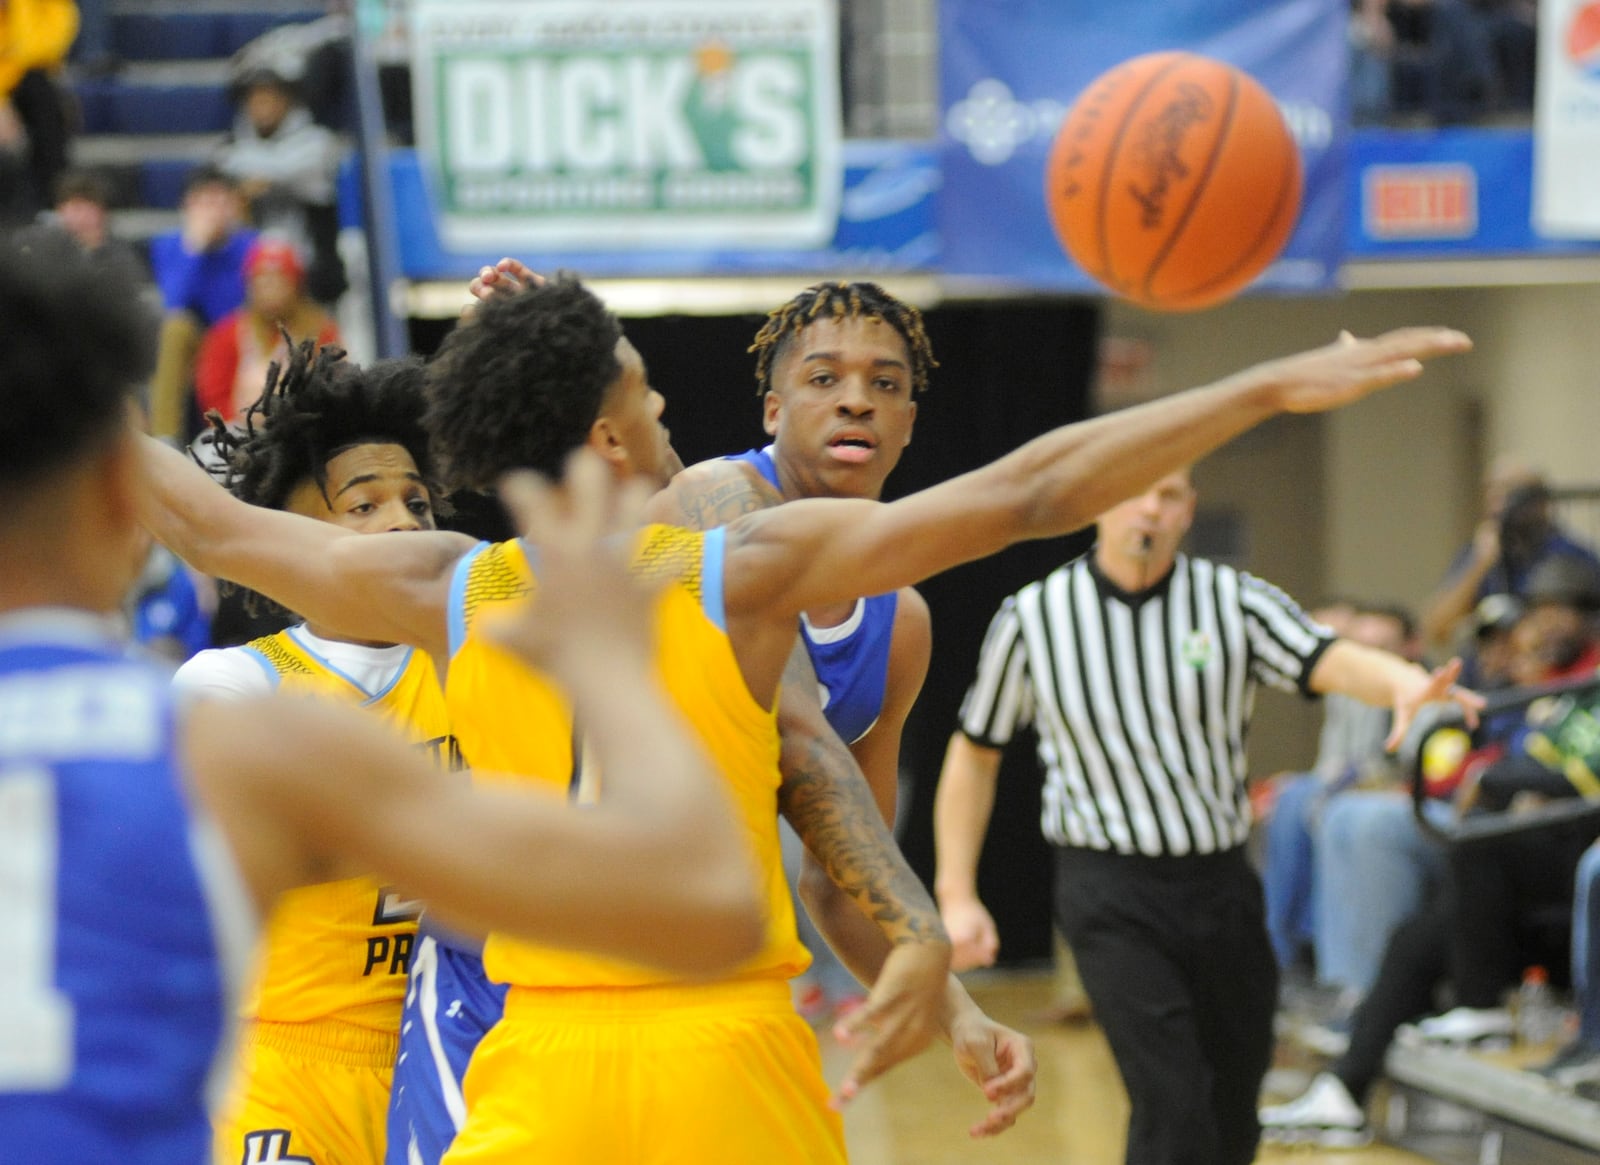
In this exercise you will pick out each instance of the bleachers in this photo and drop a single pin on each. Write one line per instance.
(168, 107)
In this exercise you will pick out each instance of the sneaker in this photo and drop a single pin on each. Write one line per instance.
(1331, 1039)
(1582, 1068)
(1474, 1027)
(1324, 1115)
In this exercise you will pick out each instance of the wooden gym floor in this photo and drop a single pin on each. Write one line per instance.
(919, 1113)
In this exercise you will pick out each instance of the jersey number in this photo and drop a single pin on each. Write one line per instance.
(36, 1054)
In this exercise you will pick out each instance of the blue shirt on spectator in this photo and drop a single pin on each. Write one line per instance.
(210, 284)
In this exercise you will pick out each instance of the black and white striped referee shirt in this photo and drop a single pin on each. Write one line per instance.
(1141, 702)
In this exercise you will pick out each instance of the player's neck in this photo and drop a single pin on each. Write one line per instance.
(323, 633)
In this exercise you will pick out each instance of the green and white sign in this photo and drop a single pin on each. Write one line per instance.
(608, 124)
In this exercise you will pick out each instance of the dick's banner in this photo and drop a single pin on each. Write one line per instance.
(571, 124)
(1011, 68)
(1566, 154)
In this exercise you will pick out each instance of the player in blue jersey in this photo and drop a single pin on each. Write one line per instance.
(139, 842)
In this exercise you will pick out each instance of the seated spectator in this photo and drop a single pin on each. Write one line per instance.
(1515, 535)
(199, 269)
(287, 169)
(1350, 751)
(232, 365)
(80, 226)
(312, 55)
(35, 36)
(1577, 1065)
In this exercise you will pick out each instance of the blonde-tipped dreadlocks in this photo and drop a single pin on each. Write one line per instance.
(843, 301)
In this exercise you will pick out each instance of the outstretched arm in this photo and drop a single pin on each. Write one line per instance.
(808, 553)
(1383, 679)
(658, 870)
(388, 588)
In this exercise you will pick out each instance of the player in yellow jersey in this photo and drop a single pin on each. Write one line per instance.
(839, 369)
(595, 1061)
(321, 1019)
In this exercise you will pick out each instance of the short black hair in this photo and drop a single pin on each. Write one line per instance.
(208, 174)
(520, 386)
(314, 407)
(1398, 613)
(74, 343)
(835, 300)
(91, 185)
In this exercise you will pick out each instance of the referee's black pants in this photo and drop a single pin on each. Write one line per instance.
(1174, 954)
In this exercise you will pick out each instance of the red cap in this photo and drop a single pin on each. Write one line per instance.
(274, 255)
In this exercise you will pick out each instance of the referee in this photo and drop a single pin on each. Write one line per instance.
(1137, 667)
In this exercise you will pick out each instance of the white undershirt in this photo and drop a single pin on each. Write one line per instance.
(235, 673)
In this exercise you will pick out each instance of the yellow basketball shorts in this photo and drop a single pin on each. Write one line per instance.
(303, 1093)
(715, 1074)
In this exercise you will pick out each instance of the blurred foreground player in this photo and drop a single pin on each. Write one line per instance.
(138, 843)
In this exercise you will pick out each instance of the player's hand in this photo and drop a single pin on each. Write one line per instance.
(1438, 686)
(973, 936)
(999, 1061)
(900, 1018)
(587, 604)
(1349, 369)
(507, 277)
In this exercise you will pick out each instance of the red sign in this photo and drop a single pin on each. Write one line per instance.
(1429, 201)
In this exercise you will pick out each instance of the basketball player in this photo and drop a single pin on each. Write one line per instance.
(567, 1073)
(139, 841)
(840, 416)
(322, 1020)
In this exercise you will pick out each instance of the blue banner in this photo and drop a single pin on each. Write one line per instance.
(1451, 193)
(886, 224)
(1011, 69)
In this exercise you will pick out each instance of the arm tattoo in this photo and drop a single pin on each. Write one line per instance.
(713, 496)
(827, 800)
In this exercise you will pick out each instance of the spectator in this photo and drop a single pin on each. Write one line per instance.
(232, 365)
(1515, 534)
(1349, 751)
(35, 36)
(80, 224)
(1371, 61)
(1577, 1065)
(199, 269)
(287, 169)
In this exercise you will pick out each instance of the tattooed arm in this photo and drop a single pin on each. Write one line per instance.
(711, 494)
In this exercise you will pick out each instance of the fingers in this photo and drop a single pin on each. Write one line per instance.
(528, 499)
(1010, 1087)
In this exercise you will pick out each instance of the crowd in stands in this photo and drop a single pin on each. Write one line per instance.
(1441, 62)
(252, 265)
(1411, 903)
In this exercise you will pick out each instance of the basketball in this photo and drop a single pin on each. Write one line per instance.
(1173, 181)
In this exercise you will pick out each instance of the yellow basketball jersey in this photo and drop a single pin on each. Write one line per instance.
(340, 950)
(512, 718)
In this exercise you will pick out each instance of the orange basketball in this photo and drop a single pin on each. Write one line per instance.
(1173, 180)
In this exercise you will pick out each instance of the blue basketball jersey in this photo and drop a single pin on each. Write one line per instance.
(852, 659)
(121, 913)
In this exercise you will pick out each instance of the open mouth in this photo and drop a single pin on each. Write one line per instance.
(852, 448)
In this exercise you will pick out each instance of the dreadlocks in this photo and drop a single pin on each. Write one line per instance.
(314, 407)
(842, 301)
